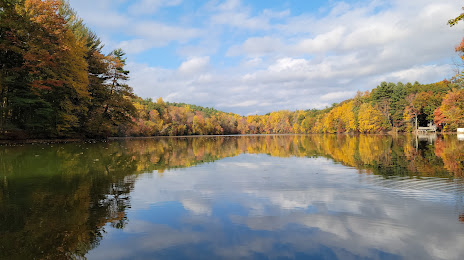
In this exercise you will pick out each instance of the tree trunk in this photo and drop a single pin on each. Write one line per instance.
(2, 110)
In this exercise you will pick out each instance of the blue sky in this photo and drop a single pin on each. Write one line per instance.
(253, 57)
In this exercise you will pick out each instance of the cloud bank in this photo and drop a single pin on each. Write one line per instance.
(250, 58)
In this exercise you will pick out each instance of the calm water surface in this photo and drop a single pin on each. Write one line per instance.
(250, 197)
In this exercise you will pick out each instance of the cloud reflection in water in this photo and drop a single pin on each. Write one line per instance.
(258, 206)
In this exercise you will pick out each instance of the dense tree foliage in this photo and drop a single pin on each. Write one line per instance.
(55, 82)
(400, 107)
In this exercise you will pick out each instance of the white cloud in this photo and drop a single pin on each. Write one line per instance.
(322, 42)
(198, 207)
(338, 95)
(110, 19)
(151, 6)
(160, 34)
(289, 64)
(257, 46)
(135, 46)
(253, 62)
(275, 15)
(240, 20)
(425, 72)
(194, 65)
(247, 103)
(234, 14)
(229, 5)
(106, 20)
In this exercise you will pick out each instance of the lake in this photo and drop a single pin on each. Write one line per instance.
(235, 197)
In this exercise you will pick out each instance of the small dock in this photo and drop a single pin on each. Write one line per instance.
(427, 129)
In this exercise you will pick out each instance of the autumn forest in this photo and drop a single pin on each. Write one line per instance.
(56, 82)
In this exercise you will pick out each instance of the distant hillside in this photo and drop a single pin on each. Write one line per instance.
(388, 107)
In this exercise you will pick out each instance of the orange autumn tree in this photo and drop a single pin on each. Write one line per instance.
(198, 124)
(451, 152)
(451, 112)
(56, 64)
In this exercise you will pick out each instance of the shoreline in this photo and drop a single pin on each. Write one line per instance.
(6, 142)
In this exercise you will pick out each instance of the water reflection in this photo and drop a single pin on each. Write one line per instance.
(103, 201)
(55, 200)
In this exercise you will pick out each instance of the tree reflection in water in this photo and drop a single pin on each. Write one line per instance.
(57, 199)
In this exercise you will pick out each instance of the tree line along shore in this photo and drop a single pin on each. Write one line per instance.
(56, 82)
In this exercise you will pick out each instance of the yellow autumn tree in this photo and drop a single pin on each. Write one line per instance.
(370, 120)
(340, 119)
(331, 121)
(348, 117)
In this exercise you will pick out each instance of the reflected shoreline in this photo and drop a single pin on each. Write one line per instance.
(359, 151)
(78, 190)
(86, 140)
